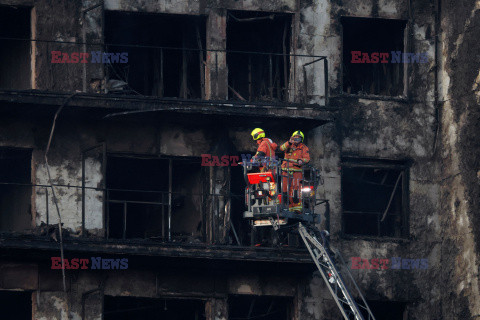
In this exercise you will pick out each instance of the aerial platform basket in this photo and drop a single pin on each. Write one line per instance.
(266, 202)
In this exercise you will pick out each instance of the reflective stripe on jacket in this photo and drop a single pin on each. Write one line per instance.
(268, 147)
(299, 152)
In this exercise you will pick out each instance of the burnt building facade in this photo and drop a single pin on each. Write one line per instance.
(108, 106)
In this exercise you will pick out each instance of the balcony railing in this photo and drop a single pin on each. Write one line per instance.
(219, 75)
(184, 73)
(123, 215)
(151, 214)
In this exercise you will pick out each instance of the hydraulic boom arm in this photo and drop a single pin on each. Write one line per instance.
(331, 275)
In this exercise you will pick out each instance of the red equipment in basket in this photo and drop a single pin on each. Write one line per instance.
(254, 178)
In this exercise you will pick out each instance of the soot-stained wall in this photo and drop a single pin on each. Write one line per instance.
(432, 126)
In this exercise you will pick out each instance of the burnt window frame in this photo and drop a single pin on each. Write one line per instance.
(400, 165)
(235, 53)
(236, 300)
(27, 186)
(162, 52)
(142, 304)
(165, 236)
(30, 47)
(22, 298)
(398, 306)
(406, 66)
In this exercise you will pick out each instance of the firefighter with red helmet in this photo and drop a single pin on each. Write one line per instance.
(296, 155)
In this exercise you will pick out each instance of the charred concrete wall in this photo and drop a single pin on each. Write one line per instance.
(75, 133)
(433, 127)
(384, 128)
(87, 288)
(443, 176)
(458, 152)
(84, 32)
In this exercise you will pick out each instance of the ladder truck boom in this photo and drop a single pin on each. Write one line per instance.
(332, 277)
(268, 206)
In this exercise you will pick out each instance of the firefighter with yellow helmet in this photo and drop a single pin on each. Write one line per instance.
(266, 147)
(296, 155)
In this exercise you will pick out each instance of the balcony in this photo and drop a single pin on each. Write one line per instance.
(182, 213)
(193, 74)
(184, 74)
(160, 237)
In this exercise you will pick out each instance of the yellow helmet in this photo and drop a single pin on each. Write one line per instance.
(298, 133)
(258, 133)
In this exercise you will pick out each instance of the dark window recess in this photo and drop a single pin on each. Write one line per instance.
(138, 198)
(263, 73)
(259, 307)
(15, 58)
(16, 305)
(372, 35)
(175, 70)
(133, 308)
(386, 310)
(371, 193)
(15, 189)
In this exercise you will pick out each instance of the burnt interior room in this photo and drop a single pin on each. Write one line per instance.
(134, 308)
(15, 57)
(372, 35)
(387, 310)
(259, 307)
(15, 189)
(370, 194)
(160, 62)
(138, 199)
(262, 74)
(15, 305)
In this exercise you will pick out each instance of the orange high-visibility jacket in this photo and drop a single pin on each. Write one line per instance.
(267, 148)
(299, 152)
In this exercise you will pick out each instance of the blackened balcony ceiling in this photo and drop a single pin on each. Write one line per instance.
(126, 107)
(38, 248)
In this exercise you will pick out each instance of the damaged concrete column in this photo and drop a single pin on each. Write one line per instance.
(218, 216)
(93, 74)
(216, 309)
(216, 73)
